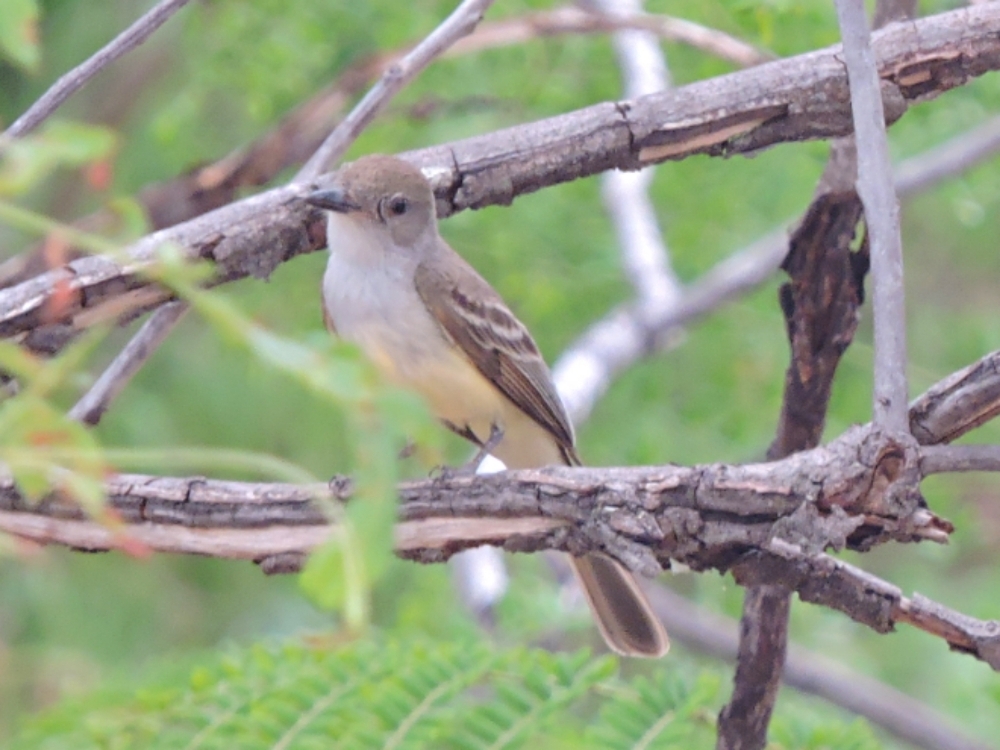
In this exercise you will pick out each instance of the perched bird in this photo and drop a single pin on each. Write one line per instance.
(433, 325)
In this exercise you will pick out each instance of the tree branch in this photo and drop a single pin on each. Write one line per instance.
(858, 491)
(573, 20)
(878, 195)
(949, 158)
(460, 23)
(906, 718)
(738, 113)
(767, 522)
(75, 79)
(939, 459)
(820, 303)
(95, 402)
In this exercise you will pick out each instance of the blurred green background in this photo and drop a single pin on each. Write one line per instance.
(222, 72)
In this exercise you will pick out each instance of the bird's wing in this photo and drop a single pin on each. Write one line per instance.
(476, 318)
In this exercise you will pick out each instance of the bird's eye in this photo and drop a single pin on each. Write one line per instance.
(398, 205)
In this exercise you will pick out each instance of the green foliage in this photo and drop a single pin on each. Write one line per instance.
(19, 33)
(410, 695)
(387, 694)
(221, 73)
(655, 714)
(791, 734)
(39, 444)
(58, 143)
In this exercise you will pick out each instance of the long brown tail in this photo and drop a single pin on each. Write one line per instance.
(623, 614)
(621, 610)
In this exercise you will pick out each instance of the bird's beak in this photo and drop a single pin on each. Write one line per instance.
(332, 199)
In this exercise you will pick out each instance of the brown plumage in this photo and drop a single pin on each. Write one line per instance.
(431, 323)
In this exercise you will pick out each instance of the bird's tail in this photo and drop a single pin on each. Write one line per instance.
(622, 612)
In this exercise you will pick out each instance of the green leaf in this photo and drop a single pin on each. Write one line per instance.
(657, 712)
(19, 33)
(46, 450)
(406, 695)
(59, 143)
(334, 576)
(380, 418)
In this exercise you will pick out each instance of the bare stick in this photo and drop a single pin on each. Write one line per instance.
(129, 361)
(949, 158)
(820, 303)
(912, 721)
(572, 20)
(252, 236)
(72, 81)
(644, 253)
(881, 215)
(460, 23)
(585, 370)
(91, 407)
(939, 459)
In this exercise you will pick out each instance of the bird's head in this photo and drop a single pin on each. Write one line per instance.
(384, 195)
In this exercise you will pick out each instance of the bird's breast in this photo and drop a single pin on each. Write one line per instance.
(376, 306)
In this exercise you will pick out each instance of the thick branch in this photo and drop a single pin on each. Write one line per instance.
(706, 517)
(778, 515)
(795, 99)
(820, 303)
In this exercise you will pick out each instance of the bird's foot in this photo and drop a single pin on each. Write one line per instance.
(470, 468)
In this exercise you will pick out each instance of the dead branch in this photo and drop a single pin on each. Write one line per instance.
(767, 522)
(460, 23)
(795, 99)
(859, 491)
(901, 715)
(820, 303)
(877, 193)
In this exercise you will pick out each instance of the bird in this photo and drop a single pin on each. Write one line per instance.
(431, 324)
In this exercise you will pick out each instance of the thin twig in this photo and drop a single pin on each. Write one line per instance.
(572, 20)
(460, 23)
(147, 339)
(75, 79)
(252, 236)
(644, 252)
(949, 158)
(586, 368)
(906, 718)
(95, 402)
(877, 193)
(940, 459)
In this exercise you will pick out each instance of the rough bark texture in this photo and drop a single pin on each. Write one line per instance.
(801, 98)
(767, 522)
(855, 492)
(774, 518)
(820, 302)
